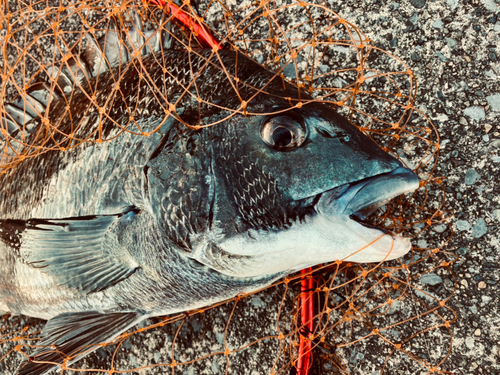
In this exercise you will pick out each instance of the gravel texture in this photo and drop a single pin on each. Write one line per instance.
(453, 47)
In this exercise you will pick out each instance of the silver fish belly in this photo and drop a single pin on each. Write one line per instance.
(102, 236)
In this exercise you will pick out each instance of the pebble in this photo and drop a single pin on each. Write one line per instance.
(415, 57)
(462, 225)
(491, 6)
(486, 138)
(496, 213)
(440, 228)
(324, 68)
(452, 4)
(465, 283)
(431, 279)
(101, 353)
(133, 360)
(462, 251)
(257, 302)
(481, 285)
(422, 243)
(451, 42)
(486, 299)
(443, 58)
(419, 4)
(220, 337)
(494, 102)
(448, 283)
(480, 228)
(396, 306)
(471, 177)
(215, 367)
(395, 333)
(196, 325)
(474, 112)
(487, 128)
(289, 71)
(339, 83)
(469, 342)
(438, 24)
(477, 332)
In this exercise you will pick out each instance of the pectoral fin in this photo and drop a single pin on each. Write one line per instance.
(83, 253)
(71, 335)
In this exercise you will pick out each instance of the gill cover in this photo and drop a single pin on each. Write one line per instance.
(177, 185)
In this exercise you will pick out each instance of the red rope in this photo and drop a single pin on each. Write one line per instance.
(306, 320)
(203, 36)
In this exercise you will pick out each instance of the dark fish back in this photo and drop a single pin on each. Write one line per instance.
(117, 100)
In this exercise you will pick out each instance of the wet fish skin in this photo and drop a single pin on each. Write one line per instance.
(102, 236)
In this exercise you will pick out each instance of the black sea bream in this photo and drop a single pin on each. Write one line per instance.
(99, 237)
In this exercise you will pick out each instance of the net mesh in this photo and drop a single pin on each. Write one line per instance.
(385, 317)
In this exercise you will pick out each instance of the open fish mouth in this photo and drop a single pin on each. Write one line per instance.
(360, 199)
(352, 204)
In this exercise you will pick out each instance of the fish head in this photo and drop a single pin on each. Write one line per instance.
(276, 188)
(300, 183)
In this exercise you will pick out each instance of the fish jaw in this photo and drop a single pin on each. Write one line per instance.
(318, 240)
(364, 197)
(332, 232)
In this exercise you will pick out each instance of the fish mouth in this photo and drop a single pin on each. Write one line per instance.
(352, 204)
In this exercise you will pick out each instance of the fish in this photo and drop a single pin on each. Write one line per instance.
(102, 236)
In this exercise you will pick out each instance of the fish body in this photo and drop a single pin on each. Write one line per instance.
(102, 236)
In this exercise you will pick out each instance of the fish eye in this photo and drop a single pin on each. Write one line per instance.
(283, 133)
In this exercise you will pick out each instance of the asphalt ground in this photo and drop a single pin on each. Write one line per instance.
(453, 49)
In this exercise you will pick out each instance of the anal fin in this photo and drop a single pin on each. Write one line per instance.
(69, 336)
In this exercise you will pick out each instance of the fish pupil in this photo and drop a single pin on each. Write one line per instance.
(282, 137)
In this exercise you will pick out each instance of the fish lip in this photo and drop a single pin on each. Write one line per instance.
(360, 199)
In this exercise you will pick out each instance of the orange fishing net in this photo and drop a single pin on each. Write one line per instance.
(385, 317)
